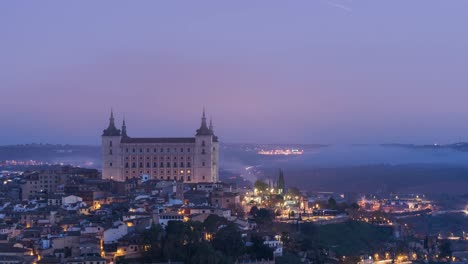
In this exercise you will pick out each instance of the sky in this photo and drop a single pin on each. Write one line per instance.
(311, 71)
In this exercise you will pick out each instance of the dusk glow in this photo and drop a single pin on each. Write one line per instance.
(322, 71)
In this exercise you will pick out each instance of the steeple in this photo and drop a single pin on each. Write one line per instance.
(211, 125)
(111, 130)
(124, 129)
(203, 130)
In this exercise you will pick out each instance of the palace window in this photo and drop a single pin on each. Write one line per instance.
(110, 143)
(155, 164)
(126, 150)
(188, 178)
(181, 164)
(110, 165)
(188, 149)
(181, 149)
(148, 165)
(133, 150)
(133, 165)
(175, 164)
(126, 164)
(203, 151)
(203, 143)
(161, 165)
(203, 164)
(110, 151)
(168, 164)
(189, 164)
(154, 150)
(147, 150)
(141, 164)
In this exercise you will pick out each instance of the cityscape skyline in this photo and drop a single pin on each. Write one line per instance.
(328, 72)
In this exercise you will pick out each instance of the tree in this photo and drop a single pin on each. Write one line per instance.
(258, 250)
(212, 222)
(253, 210)
(332, 203)
(260, 185)
(201, 253)
(152, 237)
(354, 206)
(280, 182)
(229, 241)
(445, 249)
(263, 217)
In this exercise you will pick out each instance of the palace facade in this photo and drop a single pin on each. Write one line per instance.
(191, 159)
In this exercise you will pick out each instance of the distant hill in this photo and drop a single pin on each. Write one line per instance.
(460, 146)
(87, 156)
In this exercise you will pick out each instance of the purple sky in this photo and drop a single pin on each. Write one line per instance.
(312, 71)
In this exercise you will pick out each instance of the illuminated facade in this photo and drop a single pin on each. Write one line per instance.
(191, 160)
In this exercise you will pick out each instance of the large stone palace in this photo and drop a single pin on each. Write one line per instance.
(191, 159)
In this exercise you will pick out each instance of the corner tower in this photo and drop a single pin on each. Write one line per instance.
(206, 153)
(111, 151)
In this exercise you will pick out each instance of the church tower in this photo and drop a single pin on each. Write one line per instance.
(206, 154)
(111, 151)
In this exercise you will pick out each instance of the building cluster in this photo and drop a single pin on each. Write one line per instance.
(396, 204)
(71, 215)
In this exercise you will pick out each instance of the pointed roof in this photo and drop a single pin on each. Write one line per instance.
(204, 130)
(215, 138)
(111, 130)
(124, 129)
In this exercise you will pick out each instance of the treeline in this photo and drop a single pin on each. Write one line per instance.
(215, 241)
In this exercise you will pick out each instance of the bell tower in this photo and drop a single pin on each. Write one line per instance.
(204, 158)
(111, 151)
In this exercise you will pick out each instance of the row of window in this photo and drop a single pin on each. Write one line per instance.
(162, 172)
(162, 150)
(181, 178)
(161, 158)
(155, 165)
(155, 150)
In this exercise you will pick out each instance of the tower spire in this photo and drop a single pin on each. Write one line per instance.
(211, 125)
(203, 130)
(111, 119)
(124, 128)
(111, 130)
